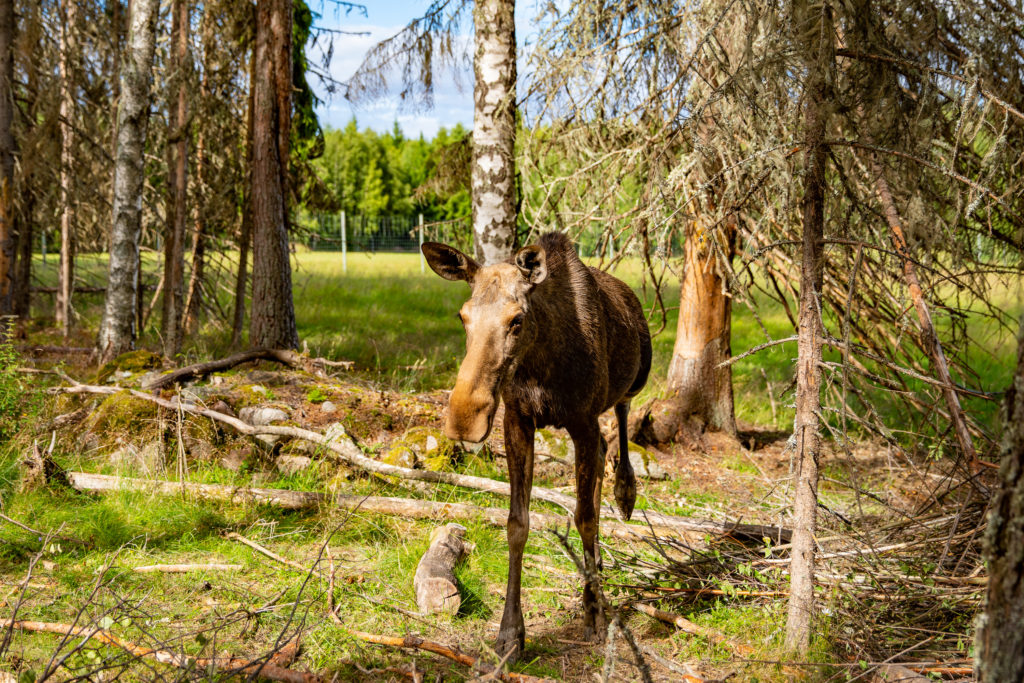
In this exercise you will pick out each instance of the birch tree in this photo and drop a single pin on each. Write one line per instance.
(66, 267)
(494, 125)
(117, 329)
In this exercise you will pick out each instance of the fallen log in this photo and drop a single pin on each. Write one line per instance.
(434, 581)
(314, 366)
(187, 568)
(265, 671)
(346, 451)
(296, 500)
(453, 654)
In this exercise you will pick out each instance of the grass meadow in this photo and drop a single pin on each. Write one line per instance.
(398, 325)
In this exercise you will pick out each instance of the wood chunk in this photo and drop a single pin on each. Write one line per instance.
(435, 575)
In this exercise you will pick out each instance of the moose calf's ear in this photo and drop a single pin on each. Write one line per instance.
(449, 262)
(532, 263)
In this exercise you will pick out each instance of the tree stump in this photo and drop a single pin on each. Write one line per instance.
(435, 574)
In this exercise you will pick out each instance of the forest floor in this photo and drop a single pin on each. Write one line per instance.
(900, 579)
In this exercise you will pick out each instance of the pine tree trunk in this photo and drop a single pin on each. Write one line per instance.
(494, 120)
(66, 267)
(245, 230)
(30, 167)
(1000, 637)
(700, 390)
(177, 183)
(806, 425)
(272, 322)
(7, 213)
(117, 330)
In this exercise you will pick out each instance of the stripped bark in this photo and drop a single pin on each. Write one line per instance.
(177, 182)
(699, 384)
(929, 338)
(434, 581)
(66, 268)
(117, 330)
(806, 427)
(245, 228)
(494, 121)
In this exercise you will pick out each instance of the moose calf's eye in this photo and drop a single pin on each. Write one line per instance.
(516, 323)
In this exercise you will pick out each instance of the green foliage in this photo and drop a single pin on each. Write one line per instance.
(373, 174)
(316, 395)
(13, 388)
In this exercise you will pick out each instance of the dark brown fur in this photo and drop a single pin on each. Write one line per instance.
(560, 343)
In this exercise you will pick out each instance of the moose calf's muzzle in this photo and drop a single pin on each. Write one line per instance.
(470, 412)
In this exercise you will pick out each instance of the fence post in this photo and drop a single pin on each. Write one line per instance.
(42, 238)
(423, 261)
(344, 245)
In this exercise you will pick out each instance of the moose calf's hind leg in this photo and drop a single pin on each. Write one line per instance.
(588, 446)
(625, 478)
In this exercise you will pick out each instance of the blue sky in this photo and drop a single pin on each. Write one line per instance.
(383, 19)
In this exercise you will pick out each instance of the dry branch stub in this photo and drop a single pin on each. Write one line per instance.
(434, 582)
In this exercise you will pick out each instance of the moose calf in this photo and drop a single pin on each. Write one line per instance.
(560, 343)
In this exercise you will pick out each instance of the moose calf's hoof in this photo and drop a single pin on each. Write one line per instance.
(625, 491)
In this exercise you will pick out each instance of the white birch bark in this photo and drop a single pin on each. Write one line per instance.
(117, 331)
(66, 271)
(494, 98)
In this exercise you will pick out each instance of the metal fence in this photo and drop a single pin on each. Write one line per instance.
(397, 234)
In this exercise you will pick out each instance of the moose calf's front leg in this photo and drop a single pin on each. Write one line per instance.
(588, 456)
(519, 456)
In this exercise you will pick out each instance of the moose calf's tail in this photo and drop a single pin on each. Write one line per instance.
(625, 478)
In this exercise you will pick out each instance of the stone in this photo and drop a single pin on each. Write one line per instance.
(431, 444)
(292, 464)
(401, 456)
(236, 458)
(328, 407)
(547, 445)
(221, 406)
(644, 464)
(145, 460)
(260, 416)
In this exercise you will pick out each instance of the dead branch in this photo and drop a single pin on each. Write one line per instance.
(314, 366)
(689, 627)
(346, 451)
(928, 334)
(685, 670)
(455, 654)
(272, 555)
(187, 568)
(265, 671)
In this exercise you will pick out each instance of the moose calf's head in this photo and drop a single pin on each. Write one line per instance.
(500, 329)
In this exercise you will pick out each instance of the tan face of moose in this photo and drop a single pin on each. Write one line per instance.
(499, 330)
